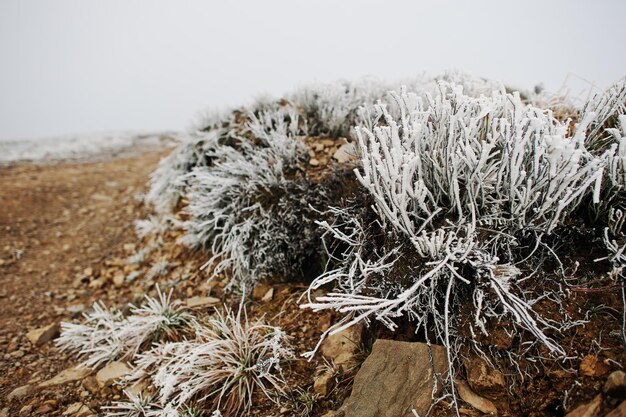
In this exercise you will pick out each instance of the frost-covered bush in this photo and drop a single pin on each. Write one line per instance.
(457, 184)
(224, 365)
(106, 335)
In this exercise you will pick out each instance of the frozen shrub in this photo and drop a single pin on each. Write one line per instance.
(229, 359)
(107, 335)
(457, 184)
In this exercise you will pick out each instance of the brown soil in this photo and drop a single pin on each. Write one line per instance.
(55, 222)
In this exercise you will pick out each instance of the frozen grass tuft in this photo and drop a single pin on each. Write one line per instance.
(229, 359)
(107, 335)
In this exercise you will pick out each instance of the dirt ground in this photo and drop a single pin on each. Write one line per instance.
(56, 221)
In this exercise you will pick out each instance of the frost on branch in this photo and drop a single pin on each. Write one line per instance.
(456, 183)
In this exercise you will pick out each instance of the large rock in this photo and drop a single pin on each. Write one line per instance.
(341, 348)
(43, 335)
(396, 378)
(111, 373)
(68, 375)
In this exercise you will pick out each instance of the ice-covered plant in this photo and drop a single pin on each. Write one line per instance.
(457, 183)
(229, 359)
(252, 206)
(107, 335)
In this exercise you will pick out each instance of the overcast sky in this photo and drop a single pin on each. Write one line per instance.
(81, 66)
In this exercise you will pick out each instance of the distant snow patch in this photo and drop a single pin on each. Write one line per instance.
(82, 147)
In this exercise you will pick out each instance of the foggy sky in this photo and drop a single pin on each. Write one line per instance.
(80, 66)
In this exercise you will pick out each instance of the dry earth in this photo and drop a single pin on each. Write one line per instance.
(56, 223)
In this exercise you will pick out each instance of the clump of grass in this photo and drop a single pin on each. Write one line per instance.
(229, 360)
(106, 335)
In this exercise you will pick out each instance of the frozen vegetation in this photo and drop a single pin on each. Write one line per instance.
(452, 204)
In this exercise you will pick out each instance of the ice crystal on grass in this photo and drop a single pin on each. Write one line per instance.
(229, 359)
(107, 335)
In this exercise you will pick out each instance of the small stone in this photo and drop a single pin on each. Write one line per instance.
(77, 410)
(91, 384)
(76, 308)
(118, 280)
(19, 393)
(268, 295)
(615, 385)
(345, 153)
(481, 404)
(484, 379)
(88, 272)
(44, 409)
(323, 383)
(314, 162)
(592, 366)
(96, 283)
(112, 372)
(194, 302)
(43, 335)
(341, 348)
(259, 291)
(591, 409)
(68, 375)
(26, 410)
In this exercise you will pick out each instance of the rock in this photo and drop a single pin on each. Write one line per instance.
(484, 379)
(268, 295)
(592, 366)
(396, 378)
(194, 302)
(345, 153)
(259, 291)
(591, 409)
(118, 280)
(615, 385)
(26, 410)
(68, 375)
(620, 411)
(481, 404)
(78, 410)
(19, 393)
(112, 372)
(314, 162)
(91, 384)
(323, 383)
(97, 283)
(341, 348)
(45, 408)
(43, 335)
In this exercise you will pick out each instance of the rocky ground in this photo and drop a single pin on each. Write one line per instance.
(67, 239)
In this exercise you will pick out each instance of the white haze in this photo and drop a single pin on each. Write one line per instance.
(82, 66)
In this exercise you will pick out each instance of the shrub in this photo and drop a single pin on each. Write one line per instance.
(457, 184)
